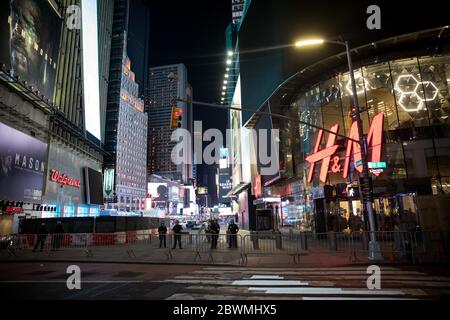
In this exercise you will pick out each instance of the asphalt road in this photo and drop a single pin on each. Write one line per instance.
(185, 282)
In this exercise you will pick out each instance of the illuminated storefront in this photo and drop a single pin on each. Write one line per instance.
(405, 101)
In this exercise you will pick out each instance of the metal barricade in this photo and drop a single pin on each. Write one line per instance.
(339, 243)
(393, 245)
(431, 245)
(272, 243)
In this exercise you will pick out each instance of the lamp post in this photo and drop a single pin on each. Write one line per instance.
(374, 248)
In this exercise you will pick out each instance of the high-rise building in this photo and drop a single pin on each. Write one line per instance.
(46, 102)
(131, 161)
(166, 85)
(125, 35)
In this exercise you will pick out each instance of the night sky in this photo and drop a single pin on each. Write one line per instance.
(193, 33)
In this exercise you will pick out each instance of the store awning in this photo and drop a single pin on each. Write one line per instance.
(266, 200)
(238, 189)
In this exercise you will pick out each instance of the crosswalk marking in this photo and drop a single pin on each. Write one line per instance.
(337, 283)
(271, 277)
(269, 283)
(337, 291)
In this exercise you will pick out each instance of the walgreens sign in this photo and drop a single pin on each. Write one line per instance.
(64, 179)
(353, 150)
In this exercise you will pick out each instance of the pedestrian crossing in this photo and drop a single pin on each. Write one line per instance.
(339, 283)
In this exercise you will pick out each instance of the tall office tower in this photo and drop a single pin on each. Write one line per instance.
(125, 35)
(166, 84)
(131, 161)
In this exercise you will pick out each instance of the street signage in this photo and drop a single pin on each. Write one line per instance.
(377, 165)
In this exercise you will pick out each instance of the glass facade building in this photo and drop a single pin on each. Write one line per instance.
(410, 89)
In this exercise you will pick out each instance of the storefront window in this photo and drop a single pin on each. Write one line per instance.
(380, 99)
(434, 91)
(362, 84)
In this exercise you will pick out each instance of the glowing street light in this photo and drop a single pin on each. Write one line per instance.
(229, 61)
(224, 87)
(309, 42)
(225, 81)
(230, 53)
(226, 75)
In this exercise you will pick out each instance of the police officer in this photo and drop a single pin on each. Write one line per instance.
(162, 230)
(233, 229)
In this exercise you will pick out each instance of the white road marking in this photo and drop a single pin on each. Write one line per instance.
(355, 298)
(269, 283)
(319, 290)
(268, 277)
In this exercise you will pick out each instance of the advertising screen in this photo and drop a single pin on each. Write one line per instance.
(158, 191)
(90, 67)
(108, 181)
(94, 186)
(22, 160)
(202, 190)
(225, 186)
(29, 42)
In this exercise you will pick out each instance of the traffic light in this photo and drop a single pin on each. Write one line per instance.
(366, 186)
(175, 119)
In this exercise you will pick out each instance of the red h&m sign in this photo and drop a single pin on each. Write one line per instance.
(374, 141)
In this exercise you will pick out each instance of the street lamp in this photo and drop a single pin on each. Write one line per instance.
(374, 247)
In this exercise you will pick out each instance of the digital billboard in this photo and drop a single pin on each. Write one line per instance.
(94, 186)
(29, 42)
(202, 190)
(22, 160)
(158, 191)
(225, 186)
(91, 85)
(108, 181)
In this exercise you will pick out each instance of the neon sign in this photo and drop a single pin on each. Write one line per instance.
(64, 179)
(353, 149)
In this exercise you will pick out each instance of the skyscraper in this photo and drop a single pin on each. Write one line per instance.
(130, 167)
(166, 84)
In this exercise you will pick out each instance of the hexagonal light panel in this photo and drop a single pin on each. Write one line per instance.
(430, 88)
(410, 102)
(361, 83)
(404, 81)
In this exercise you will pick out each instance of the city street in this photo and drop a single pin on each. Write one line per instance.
(174, 282)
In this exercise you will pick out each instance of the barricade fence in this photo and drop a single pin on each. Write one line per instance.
(394, 246)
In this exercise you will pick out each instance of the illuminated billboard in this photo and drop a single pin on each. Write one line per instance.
(22, 166)
(108, 181)
(158, 191)
(29, 42)
(90, 67)
(202, 190)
